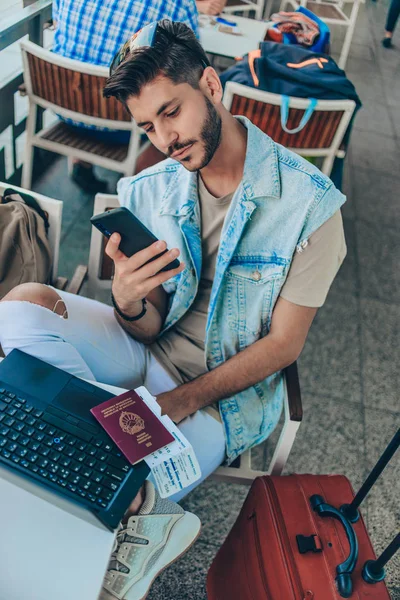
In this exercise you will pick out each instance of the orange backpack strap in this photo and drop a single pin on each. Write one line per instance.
(306, 63)
(252, 57)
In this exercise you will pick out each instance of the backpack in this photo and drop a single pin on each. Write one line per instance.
(25, 254)
(290, 70)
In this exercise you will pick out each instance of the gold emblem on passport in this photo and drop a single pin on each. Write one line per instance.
(130, 423)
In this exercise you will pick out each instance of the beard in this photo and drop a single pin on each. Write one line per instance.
(210, 136)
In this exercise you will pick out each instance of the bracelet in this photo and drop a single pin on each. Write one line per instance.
(126, 317)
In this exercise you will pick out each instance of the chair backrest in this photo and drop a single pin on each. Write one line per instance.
(320, 137)
(71, 88)
(54, 209)
(245, 6)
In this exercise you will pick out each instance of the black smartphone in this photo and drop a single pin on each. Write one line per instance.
(134, 235)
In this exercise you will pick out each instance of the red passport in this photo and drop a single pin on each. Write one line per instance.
(131, 424)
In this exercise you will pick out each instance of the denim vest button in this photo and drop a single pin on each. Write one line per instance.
(256, 275)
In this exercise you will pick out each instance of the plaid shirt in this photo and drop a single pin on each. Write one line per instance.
(92, 31)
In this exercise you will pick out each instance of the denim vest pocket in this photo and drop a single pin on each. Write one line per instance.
(252, 284)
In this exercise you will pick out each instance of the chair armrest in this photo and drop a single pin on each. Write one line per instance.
(60, 283)
(293, 415)
(293, 392)
(75, 285)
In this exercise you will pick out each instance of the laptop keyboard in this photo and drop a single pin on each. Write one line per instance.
(59, 451)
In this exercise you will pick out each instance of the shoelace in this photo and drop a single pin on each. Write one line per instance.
(123, 536)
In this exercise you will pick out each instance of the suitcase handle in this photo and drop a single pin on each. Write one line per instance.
(345, 569)
(351, 510)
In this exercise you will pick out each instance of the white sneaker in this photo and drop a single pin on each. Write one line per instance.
(150, 541)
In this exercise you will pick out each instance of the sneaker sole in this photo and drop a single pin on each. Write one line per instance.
(183, 535)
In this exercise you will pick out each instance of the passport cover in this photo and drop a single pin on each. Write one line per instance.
(130, 423)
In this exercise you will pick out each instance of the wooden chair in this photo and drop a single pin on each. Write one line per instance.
(322, 135)
(244, 7)
(99, 278)
(73, 90)
(332, 13)
(54, 209)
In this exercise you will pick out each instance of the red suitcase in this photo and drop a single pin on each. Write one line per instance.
(290, 543)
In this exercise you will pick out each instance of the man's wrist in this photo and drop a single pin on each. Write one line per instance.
(133, 312)
(128, 307)
(186, 395)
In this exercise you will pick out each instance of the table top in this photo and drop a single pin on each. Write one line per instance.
(227, 44)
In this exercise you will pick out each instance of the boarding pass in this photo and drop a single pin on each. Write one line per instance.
(175, 466)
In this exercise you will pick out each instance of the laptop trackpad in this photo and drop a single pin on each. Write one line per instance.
(78, 397)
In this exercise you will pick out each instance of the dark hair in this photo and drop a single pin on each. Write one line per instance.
(176, 54)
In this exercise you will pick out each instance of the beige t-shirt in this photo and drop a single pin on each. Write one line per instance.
(181, 349)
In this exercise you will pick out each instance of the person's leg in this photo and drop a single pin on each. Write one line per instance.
(157, 532)
(146, 544)
(393, 15)
(83, 337)
(207, 438)
(203, 432)
(89, 343)
(206, 435)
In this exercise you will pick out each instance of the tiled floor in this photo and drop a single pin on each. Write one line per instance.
(349, 368)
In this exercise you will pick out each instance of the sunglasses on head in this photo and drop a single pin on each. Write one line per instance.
(144, 38)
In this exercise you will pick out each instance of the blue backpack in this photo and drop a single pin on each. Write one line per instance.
(291, 70)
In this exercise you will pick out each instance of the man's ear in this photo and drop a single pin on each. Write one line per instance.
(210, 85)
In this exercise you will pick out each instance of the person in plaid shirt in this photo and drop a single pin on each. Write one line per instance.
(92, 31)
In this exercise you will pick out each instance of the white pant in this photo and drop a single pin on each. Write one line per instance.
(91, 344)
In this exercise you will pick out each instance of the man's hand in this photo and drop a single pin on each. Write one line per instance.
(282, 346)
(175, 405)
(210, 7)
(133, 278)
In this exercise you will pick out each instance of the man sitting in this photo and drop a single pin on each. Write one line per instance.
(259, 235)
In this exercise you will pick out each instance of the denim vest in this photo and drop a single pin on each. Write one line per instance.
(281, 200)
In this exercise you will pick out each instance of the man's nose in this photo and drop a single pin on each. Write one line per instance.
(167, 138)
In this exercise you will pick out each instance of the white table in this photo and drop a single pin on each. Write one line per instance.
(227, 44)
(50, 548)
